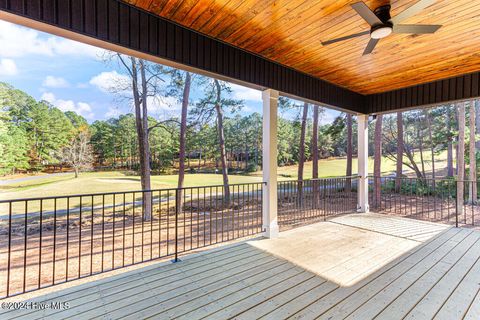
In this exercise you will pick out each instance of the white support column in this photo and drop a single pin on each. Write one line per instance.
(269, 162)
(362, 204)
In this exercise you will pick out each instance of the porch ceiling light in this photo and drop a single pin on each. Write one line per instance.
(381, 32)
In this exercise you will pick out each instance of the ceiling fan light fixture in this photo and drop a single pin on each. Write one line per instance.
(381, 32)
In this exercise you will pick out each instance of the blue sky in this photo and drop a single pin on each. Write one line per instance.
(73, 76)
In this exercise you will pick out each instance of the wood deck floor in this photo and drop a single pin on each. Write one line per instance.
(361, 266)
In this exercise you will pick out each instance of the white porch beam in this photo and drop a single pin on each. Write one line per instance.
(362, 192)
(269, 162)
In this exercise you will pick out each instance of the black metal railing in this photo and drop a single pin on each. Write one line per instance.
(308, 201)
(437, 200)
(50, 240)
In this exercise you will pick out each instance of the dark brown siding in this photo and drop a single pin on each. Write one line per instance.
(121, 24)
(463, 87)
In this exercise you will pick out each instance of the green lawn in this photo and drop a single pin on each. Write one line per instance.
(97, 182)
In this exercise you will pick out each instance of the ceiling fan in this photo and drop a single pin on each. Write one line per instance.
(382, 24)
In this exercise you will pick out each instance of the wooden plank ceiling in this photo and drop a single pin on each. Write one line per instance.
(290, 32)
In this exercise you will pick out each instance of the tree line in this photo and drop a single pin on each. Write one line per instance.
(415, 138)
(34, 134)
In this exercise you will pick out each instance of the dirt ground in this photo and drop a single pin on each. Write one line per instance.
(57, 250)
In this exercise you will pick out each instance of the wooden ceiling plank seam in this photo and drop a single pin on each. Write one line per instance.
(173, 10)
(197, 22)
(240, 40)
(265, 13)
(215, 17)
(290, 32)
(169, 5)
(184, 10)
(155, 6)
(196, 12)
(240, 15)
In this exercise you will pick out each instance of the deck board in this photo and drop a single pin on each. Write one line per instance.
(352, 267)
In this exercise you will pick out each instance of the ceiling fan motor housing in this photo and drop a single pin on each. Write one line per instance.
(382, 30)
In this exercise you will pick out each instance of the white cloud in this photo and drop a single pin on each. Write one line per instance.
(82, 85)
(159, 104)
(328, 116)
(48, 96)
(19, 41)
(81, 108)
(113, 113)
(244, 93)
(8, 67)
(110, 81)
(55, 82)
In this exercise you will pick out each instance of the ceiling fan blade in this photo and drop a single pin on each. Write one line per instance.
(370, 46)
(366, 13)
(346, 37)
(412, 10)
(415, 28)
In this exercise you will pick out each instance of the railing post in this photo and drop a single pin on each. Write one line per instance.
(269, 163)
(177, 209)
(362, 191)
(456, 203)
(324, 199)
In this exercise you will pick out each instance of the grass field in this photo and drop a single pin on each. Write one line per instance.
(97, 182)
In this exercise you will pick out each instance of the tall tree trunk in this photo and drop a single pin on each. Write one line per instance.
(461, 158)
(200, 159)
(472, 190)
(377, 160)
(420, 146)
(221, 142)
(449, 143)
(183, 140)
(432, 144)
(400, 147)
(348, 182)
(477, 121)
(315, 155)
(301, 158)
(141, 124)
(315, 143)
